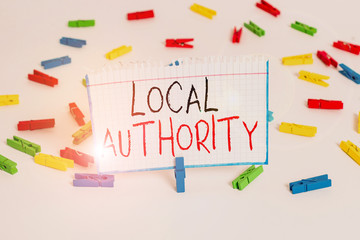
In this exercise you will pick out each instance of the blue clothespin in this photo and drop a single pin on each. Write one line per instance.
(176, 63)
(180, 174)
(349, 73)
(310, 184)
(56, 62)
(73, 42)
(270, 116)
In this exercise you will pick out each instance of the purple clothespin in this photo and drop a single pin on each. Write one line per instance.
(93, 180)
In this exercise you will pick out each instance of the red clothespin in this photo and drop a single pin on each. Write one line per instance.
(348, 47)
(236, 35)
(179, 43)
(326, 58)
(36, 124)
(268, 8)
(140, 15)
(77, 114)
(325, 104)
(42, 78)
(79, 158)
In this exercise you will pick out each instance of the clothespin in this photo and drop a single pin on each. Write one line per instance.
(359, 123)
(117, 52)
(53, 162)
(93, 180)
(326, 58)
(180, 174)
(7, 165)
(348, 47)
(140, 15)
(179, 43)
(325, 104)
(79, 158)
(42, 78)
(310, 184)
(236, 35)
(255, 28)
(83, 82)
(298, 60)
(296, 129)
(72, 42)
(268, 8)
(175, 63)
(304, 28)
(314, 78)
(56, 62)
(36, 124)
(83, 133)
(23, 145)
(352, 150)
(270, 116)
(349, 73)
(204, 11)
(247, 177)
(77, 114)
(81, 23)
(9, 100)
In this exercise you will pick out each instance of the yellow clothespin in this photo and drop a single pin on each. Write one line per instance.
(84, 132)
(296, 129)
(298, 60)
(314, 78)
(84, 82)
(9, 100)
(206, 12)
(54, 162)
(117, 52)
(359, 124)
(352, 150)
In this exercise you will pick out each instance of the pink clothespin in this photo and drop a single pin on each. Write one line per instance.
(93, 180)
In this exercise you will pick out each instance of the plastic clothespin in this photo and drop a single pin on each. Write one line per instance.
(359, 123)
(117, 52)
(140, 15)
(270, 116)
(23, 145)
(352, 150)
(204, 11)
(53, 162)
(175, 63)
(247, 177)
(7, 165)
(83, 82)
(302, 130)
(304, 28)
(314, 78)
(36, 124)
(72, 42)
(83, 133)
(326, 58)
(268, 8)
(255, 29)
(310, 184)
(180, 174)
(9, 100)
(236, 35)
(77, 114)
(79, 158)
(348, 47)
(179, 43)
(325, 104)
(298, 60)
(93, 180)
(56, 62)
(349, 73)
(43, 78)
(81, 23)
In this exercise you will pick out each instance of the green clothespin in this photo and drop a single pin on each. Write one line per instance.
(247, 177)
(255, 29)
(304, 28)
(24, 145)
(81, 23)
(7, 165)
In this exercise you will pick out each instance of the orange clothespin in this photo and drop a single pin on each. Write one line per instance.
(77, 114)
(236, 35)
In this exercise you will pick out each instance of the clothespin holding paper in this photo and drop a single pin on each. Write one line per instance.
(180, 174)
(298, 60)
(310, 184)
(23, 145)
(348, 47)
(247, 177)
(326, 58)
(204, 11)
(7, 165)
(255, 29)
(53, 162)
(349, 73)
(117, 52)
(352, 150)
(268, 8)
(314, 78)
(304, 28)
(93, 180)
(9, 100)
(83, 133)
(302, 130)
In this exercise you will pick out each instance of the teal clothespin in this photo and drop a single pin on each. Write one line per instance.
(270, 116)
(247, 177)
(24, 145)
(255, 29)
(304, 28)
(7, 165)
